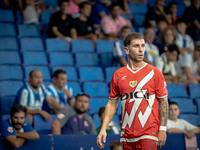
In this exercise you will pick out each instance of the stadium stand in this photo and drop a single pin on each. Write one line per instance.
(28, 30)
(34, 58)
(194, 90)
(177, 90)
(7, 29)
(8, 43)
(96, 103)
(90, 59)
(82, 45)
(10, 58)
(7, 15)
(55, 44)
(60, 58)
(31, 44)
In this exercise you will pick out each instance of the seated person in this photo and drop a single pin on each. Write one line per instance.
(111, 25)
(61, 24)
(59, 89)
(161, 25)
(175, 125)
(173, 10)
(83, 26)
(33, 94)
(15, 130)
(74, 120)
(121, 59)
(112, 127)
(116, 145)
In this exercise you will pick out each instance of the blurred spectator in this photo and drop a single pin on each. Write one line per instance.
(123, 5)
(151, 50)
(173, 10)
(15, 130)
(116, 145)
(33, 94)
(157, 13)
(74, 120)
(59, 89)
(165, 63)
(83, 26)
(118, 52)
(183, 41)
(193, 18)
(52, 5)
(61, 24)
(161, 25)
(137, 1)
(111, 25)
(190, 65)
(112, 127)
(168, 36)
(74, 6)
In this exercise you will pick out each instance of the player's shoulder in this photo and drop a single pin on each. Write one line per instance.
(88, 117)
(155, 69)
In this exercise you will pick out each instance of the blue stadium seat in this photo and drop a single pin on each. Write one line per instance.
(7, 15)
(109, 73)
(7, 116)
(141, 30)
(60, 58)
(8, 43)
(10, 88)
(43, 69)
(45, 17)
(46, 83)
(177, 90)
(11, 72)
(31, 44)
(75, 86)
(71, 72)
(139, 20)
(91, 74)
(96, 103)
(86, 59)
(106, 59)
(119, 108)
(116, 119)
(7, 29)
(179, 2)
(42, 126)
(104, 46)
(34, 58)
(138, 8)
(28, 30)
(10, 57)
(191, 118)
(185, 105)
(181, 10)
(197, 102)
(198, 140)
(194, 90)
(55, 44)
(82, 45)
(96, 89)
(6, 104)
(19, 17)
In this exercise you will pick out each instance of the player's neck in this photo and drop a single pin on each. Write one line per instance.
(59, 88)
(136, 65)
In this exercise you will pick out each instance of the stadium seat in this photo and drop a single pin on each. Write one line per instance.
(82, 45)
(91, 74)
(34, 58)
(116, 119)
(45, 17)
(177, 90)
(138, 8)
(10, 88)
(106, 59)
(19, 17)
(104, 46)
(60, 58)
(119, 108)
(43, 69)
(181, 10)
(141, 30)
(185, 105)
(197, 102)
(6, 103)
(75, 86)
(96, 89)
(11, 72)
(8, 43)
(42, 126)
(139, 20)
(55, 44)
(86, 59)
(28, 30)
(31, 44)
(194, 90)
(46, 83)
(7, 29)
(109, 73)
(191, 118)
(10, 57)
(198, 140)
(7, 15)
(71, 72)
(96, 103)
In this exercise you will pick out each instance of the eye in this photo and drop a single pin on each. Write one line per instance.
(143, 45)
(135, 45)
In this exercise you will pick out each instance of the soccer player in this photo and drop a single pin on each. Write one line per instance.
(141, 87)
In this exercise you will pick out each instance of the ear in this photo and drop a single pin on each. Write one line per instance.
(126, 50)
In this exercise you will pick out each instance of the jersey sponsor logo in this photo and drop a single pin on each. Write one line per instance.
(10, 129)
(86, 124)
(60, 115)
(132, 84)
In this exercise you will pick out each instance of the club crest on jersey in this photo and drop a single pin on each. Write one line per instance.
(86, 124)
(60, 116)
(10, 129)
(132, 84)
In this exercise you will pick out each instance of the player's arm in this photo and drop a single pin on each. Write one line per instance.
(163, 121)
(189, 74)
(57, 33)
(14, 141)
(53, 103)
(56, 127)
(109, 113)
(31, 135)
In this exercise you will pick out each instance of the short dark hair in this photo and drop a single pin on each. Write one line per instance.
(101, 111)
(173, 103)
(171, 3)
(17, 108)
(81, 5)
(160, 20)
(113, 5)
(59, 71)
(115, 144)
(125, 27)
(132, 36)
(82, 94)
(145, 31)
(180, 20)
(173, 47)
(62, 1)
(30, 73)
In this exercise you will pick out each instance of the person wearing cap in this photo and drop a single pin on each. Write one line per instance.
(74, 120)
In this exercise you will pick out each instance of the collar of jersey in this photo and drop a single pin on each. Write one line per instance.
(136, 70)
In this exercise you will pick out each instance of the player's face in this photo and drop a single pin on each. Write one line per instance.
(173, 112)
(150, 35)
(169, 37)
(125, 33)
(115, 12)
(64, 7)
(18, 120)
(87, 10)
(36, 79)
(136, 50)
(82, 104)
(61, 80)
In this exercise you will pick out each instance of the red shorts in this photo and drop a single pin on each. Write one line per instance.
(144, 144)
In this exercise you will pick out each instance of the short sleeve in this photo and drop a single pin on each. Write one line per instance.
(27, 127)
(46, 91)
(114, 91)
(23, 97)
(186, 60)
(159, 63)
(6, 130)
(105, 25)
(188, 126)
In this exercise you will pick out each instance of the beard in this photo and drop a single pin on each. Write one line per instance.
(15, 124)
(79, 111)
